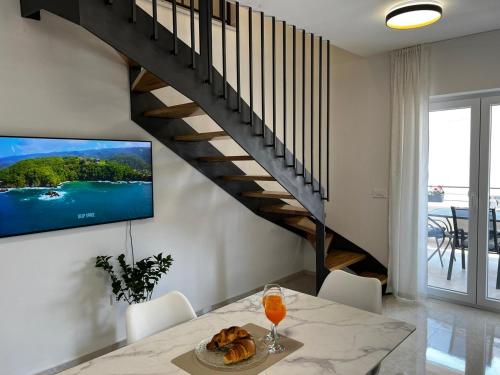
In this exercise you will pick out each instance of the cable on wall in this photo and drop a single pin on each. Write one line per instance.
(129, 225)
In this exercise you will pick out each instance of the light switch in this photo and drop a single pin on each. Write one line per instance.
(379, 193)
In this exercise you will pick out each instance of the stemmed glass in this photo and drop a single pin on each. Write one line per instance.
(269, 337)
(275, 309)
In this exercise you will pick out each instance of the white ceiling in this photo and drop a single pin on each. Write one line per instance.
(359, 25)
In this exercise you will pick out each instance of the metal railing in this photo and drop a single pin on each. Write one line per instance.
(308, 137)
(458, 193)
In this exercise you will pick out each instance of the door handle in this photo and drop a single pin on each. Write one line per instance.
(473, 200)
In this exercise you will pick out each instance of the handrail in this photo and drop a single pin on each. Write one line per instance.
(459, 187)
(218, 13)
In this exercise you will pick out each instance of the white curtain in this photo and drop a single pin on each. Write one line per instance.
(408, 174)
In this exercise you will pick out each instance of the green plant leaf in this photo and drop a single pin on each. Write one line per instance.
(136, 283)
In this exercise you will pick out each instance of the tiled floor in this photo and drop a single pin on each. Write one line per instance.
(449, 339)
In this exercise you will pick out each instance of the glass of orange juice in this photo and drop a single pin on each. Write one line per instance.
(269, 337)
(275, 309)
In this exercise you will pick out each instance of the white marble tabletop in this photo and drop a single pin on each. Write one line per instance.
(337, 339)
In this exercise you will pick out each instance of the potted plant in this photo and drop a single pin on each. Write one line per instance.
(435, 194)
(135, 282)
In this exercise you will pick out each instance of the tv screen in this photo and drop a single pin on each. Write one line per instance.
(53, 183)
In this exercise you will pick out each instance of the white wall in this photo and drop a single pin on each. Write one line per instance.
(58, 80)
(360, 141)
(465, 64)
(360, 146)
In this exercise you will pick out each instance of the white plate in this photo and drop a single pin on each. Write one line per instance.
(215, 359)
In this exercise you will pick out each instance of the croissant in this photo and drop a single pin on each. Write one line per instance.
(242, 349)
(226, 337)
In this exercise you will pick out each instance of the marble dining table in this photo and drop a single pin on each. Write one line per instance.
(338, 339)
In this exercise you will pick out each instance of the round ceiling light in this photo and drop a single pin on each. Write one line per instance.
(414, 16)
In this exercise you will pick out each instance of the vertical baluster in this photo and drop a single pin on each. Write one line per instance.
(321, 271)
(303, 105)
(155, 20)
(284, 92)
(224, 67)
(262, 70)
(294, 97)
(209, 34)
(238, 78)
(312, 111)
(320, 98)
(250, 61)
(328, 121)
(193, 41)
(203, 39)
(133, 11)
(174, 26)
(274, 79)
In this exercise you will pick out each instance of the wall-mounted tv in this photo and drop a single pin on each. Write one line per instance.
(55, 183)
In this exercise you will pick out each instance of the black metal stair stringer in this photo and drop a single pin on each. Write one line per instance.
(164, 130)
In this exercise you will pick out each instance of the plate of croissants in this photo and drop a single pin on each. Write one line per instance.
(233, 348)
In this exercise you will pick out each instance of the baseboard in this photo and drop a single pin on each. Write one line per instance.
(120, 344)
(83, 359)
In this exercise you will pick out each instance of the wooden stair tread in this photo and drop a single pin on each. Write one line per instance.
(338, 259)
(147, 81)
(380, 276)
(176, 111)
(248, 178)
(285, 209)
(302, 223)
(197, 137)
(267, 194)
(214, 159)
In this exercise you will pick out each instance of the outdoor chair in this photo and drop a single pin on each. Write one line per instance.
(460, 235)
(493, 240)
(438, 230)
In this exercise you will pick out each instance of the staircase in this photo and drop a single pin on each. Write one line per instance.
(278, 116)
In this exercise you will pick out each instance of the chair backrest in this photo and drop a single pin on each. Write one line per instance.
(147, 318)
(493, 233)
(361, 292)
(460, 225)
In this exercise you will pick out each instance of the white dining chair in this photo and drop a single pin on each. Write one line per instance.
(147, 318)
(361, 292)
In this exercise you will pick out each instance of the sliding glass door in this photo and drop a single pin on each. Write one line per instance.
(488, 280)
(454, 128)
(463, 233)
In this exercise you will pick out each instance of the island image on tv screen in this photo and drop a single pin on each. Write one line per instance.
(50, 183)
